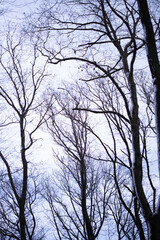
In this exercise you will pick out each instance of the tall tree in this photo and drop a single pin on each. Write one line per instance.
(123, 213)
(153, 218)
(107, 37)
(79, 193)
(19, 98)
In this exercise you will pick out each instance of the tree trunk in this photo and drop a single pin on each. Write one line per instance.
(22, 223)
(154, 228)
(153, 60)
(152, 56)
(25, 178)
(88, 225)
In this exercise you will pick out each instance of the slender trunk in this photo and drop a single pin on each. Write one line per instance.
(153, 60)
(24, 182)
(138, 223)
(22, 222)
(87, 221)
(137, 171)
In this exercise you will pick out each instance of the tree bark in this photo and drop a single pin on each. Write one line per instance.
(154, 228)
(22, 223)
(22, 201)
(87, 221)
(153, 60)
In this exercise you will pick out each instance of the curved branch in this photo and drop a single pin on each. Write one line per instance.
(108, 112)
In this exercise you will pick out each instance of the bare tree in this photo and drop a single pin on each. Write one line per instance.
(122, 212)
(80, 190)
(107, 37)
(150, 36)
(19, 99)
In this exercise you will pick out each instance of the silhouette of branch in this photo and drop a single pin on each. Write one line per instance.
(97, 111)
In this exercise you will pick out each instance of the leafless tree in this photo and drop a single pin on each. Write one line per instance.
(80, 191)
(20, 83)
(106, 99)
(150, 36)
(122, 207)
(107, 37)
